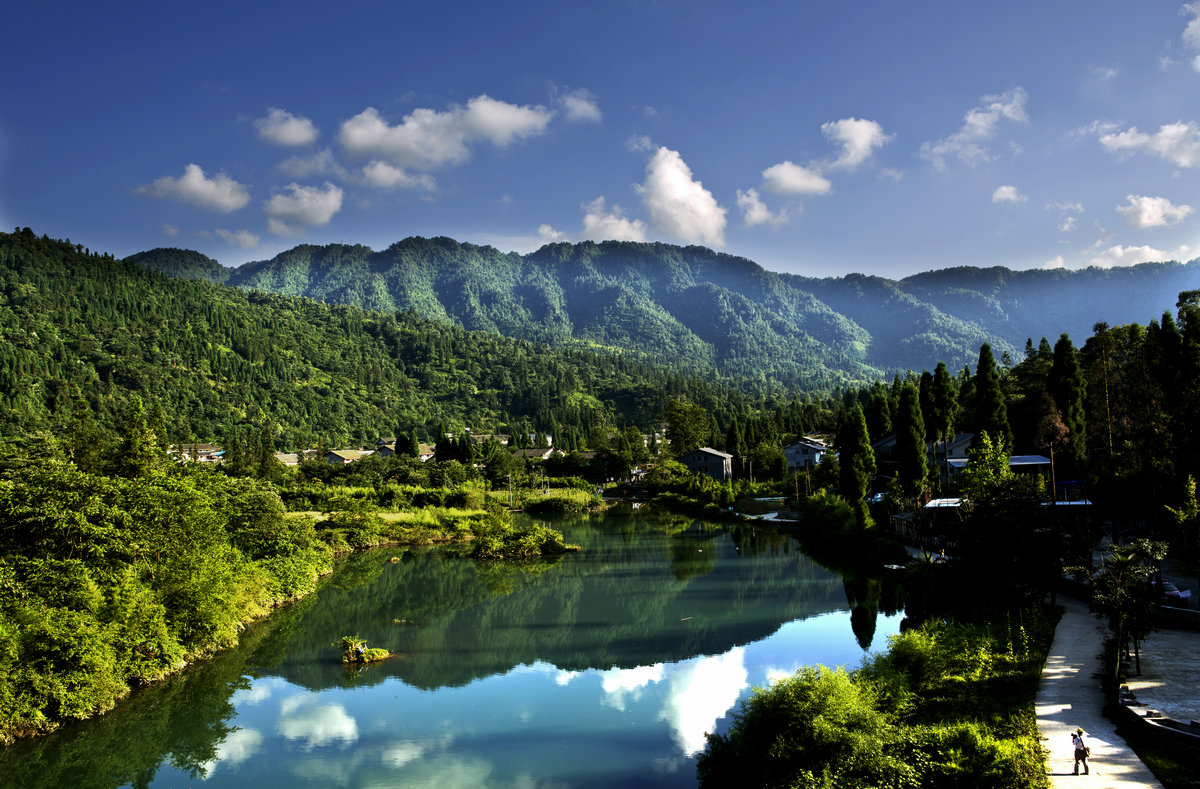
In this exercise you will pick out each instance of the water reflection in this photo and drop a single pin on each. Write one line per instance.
(600, 669)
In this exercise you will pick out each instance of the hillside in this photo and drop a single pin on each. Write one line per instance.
(78, 326)
(707, 312)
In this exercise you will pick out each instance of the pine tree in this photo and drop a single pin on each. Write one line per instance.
(991, 413)
(1067, 387)
(910, 444)
(138, 454)
(856, 463)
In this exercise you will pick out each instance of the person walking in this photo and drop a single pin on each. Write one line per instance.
(1081, 751)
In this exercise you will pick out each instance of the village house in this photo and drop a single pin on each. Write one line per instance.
(537, 453)
(342, 457)
(713, 462)
(805, 453)
(199, 453)
(295, 458)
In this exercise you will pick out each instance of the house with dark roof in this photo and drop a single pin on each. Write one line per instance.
(709, 461)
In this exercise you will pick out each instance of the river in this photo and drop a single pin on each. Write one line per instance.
(597, 669)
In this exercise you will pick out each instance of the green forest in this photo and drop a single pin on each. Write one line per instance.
(707, 312)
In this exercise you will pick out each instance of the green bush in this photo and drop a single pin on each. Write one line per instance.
(947, 705)
(562, 502)
(817, 728)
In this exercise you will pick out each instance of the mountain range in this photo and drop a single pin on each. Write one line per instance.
(708, 312)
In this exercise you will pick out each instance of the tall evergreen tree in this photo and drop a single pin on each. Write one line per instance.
(856, 463)
(879, 412)
(138, 454)
(943, 413)
(1067, 387)
(945, 404)
(925, 390)
(911, 449)
(991, 412)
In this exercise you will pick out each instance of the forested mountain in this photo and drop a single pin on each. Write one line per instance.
(708, 312)
(78, 327)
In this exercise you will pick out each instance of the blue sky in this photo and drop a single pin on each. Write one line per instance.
(815, 138)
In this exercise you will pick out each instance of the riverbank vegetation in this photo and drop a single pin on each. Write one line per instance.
(947, 705)
(119, 574)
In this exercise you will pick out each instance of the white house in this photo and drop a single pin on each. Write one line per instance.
(805, 453)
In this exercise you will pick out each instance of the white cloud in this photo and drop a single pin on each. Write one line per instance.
(859, 138)
(701, 692)
(602, 225)
(755, 211)
(170, 231)
(238, 238)
(1056, 262)
(385, 176)
(580, 105)
(1068, 220)
(1007, 194)
(524, 244)
(1191, 33)
(969, 144)
(290, 211)
(639, 142)
(1127, 256)
(679, 205)
(427, 139)
(219, 193)
(1143, 212)
(1178, 143)
(1105, 73)
(283, 128)
(319, 163)
(301, 718)
(792, 179)
(548, 235)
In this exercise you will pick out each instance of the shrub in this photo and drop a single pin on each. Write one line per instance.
(817, 728)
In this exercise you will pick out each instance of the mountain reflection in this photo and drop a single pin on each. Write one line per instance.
(663, 592)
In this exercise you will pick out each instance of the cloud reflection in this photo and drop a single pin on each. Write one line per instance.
(238, 746)
(620, 684)
(302, 718)
(700, 692)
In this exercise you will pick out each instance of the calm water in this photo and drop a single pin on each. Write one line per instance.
(603, 668)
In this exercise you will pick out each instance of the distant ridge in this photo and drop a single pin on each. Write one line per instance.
(702, 310)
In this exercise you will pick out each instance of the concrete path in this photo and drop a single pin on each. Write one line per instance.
(1069, 697)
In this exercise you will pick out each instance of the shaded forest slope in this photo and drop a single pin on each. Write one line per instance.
(707, 312)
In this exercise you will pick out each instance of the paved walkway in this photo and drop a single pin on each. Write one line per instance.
(1069, 697)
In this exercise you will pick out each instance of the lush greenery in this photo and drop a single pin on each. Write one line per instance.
(117, 568)
(110, 581)
(221, 365)
(945, 706)
(695, 309)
